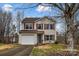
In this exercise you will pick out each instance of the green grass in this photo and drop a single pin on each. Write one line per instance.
(38, 52)
(57, 47)
(43, 52)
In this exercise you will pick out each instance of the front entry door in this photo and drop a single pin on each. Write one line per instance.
(39, 38)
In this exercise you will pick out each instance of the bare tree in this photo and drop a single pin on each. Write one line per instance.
(5, 20)
(8, 18)
(19, 16)
(69, 11)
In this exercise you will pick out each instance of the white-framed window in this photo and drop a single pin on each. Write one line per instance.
(46, 26)
(52, 26)
(39, 26)
(48, 37)
(49, 26)
(28, 26)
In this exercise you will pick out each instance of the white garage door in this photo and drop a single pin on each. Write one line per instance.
(28, 40)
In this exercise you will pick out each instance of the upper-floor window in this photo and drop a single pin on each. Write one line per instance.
(48, 26)
(52, 26)
(28, 26)
(39, 26)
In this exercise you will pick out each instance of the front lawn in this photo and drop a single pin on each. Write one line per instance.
(47, 49)
(7, 46)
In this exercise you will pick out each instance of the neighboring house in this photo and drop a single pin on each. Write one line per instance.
(37, 31)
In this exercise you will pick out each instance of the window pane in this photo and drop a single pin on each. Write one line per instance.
(51, 37)
(46, 37)
(46, 26)
(28, 26)
(51, 26)
(39, 26)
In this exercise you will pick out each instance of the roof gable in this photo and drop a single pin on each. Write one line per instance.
(26, 20)
(48, 19)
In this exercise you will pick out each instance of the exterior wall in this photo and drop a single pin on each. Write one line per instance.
(27, 40)
(49, 32)
(46, 32)
(20, 38)
(48, 41)
(45, 21)
(35, 26)
(55, 35)
(21, 26)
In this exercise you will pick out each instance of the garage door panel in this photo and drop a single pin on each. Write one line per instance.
(28, 39)
(27, 34)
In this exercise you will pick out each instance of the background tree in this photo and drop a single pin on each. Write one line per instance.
(5, 21)
(69, 10)
(19, 17)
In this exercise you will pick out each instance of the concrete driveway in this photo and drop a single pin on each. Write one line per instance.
(23, 50)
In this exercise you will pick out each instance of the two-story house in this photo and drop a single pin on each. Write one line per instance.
(37, 30)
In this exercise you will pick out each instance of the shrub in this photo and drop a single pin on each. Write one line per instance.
(56, 42)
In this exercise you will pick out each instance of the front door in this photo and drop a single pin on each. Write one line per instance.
(39, 36)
